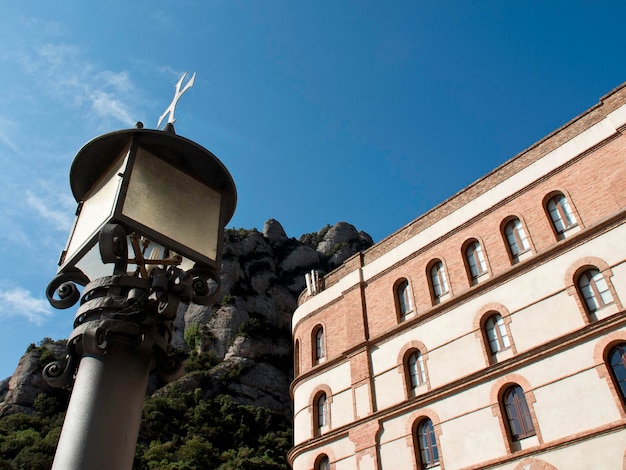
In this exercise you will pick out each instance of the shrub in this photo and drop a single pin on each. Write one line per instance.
(193, 335)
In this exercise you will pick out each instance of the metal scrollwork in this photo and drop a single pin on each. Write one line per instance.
(114, 247)
(58, 374)
(129, 310)
(64, 285)
(171, 368)
(203, 293)
(136, 310)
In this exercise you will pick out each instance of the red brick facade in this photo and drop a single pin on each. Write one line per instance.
(584, 162)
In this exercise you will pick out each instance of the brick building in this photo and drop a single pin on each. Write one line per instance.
(487, 333)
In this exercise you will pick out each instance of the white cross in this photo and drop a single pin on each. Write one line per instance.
(177, 94)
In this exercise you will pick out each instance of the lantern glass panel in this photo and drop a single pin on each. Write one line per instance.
(154, 251)
(97, 207)
(174, 204)
(92, 266)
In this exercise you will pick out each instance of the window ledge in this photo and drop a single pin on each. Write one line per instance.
(421, 388)
(480, 278)
(443, 297)
(605, 311)
(408, 316)
(522, 255)
(502, 355)
(525, 443)
(569, 231)
(322, 430)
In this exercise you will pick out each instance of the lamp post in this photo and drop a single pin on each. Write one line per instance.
(148, 234)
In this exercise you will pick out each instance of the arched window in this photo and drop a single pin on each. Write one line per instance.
(617, 364)
(296, 358)
(495, 331)
(594, 289)
(439, 282)
(476, 264)
(517, 413)
(516, 239)
(322, 463)
(321, 412)
(561, 214)
(426, 444)
(318, 344)
(415, 370)
(403, 296)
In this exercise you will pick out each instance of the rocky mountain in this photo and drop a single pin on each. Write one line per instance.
(241, 346)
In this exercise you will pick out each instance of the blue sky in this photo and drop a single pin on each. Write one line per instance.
(362, 111)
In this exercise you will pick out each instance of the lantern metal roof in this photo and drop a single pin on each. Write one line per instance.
(96, 157)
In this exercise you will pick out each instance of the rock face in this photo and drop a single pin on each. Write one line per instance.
(248, 331)
(274, 232)
(341, 241)
(250, 327)
(27, 383)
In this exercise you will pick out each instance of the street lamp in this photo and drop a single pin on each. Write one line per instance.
(148, 234)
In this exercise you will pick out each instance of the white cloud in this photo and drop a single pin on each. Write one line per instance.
(61, 219)
(7, 128)
(56, 56)
(47, 27)
(120, 81)
(64, 73)
(169, 71)
(105, 105)
(20, 302)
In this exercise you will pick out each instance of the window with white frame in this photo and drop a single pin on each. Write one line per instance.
(594, 290)
(321, 412)
(561, 214)
(476, 263)
(403, 296)
(318, 344)
(439, 281)
(496, 333)
(416, 371)
(516, 239)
